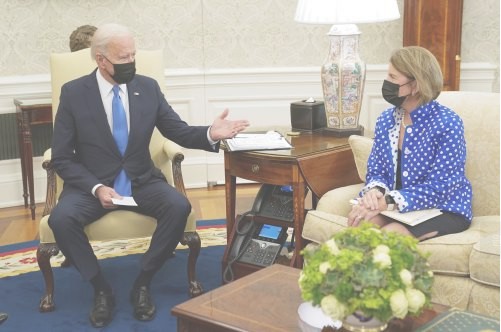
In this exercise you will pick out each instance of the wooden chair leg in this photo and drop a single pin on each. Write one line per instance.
(192, 240)
(44, 252)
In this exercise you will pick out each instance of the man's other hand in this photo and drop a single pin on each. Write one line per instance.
(105, 194)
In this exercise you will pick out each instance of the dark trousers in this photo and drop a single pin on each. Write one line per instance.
(156, 198)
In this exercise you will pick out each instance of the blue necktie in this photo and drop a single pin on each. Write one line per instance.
(120, 133)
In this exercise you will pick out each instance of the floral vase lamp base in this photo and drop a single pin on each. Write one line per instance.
(343, 77)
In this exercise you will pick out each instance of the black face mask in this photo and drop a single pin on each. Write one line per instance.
(390, 93)
(124, 72)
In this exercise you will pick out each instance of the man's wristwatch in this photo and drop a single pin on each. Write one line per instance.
(390, 202)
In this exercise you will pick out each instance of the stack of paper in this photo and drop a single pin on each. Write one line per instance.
(270, 140)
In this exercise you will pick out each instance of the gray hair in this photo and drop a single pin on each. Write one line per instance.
(104, 34)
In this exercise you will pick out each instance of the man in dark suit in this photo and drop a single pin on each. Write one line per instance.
(100, 149)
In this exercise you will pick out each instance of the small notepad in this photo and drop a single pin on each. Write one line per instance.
(412, 218)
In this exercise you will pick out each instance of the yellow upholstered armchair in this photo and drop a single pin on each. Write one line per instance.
(166, 155)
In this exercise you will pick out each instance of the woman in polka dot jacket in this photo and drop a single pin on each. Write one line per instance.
(418, 158)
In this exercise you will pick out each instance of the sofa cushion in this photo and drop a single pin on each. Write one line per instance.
(450, 254)
(319, 226)
(335, 201)
(484, 261)
(361, 147)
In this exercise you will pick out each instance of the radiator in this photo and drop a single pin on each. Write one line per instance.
(41, 136)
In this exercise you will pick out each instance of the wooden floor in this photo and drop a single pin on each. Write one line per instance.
(209, 203)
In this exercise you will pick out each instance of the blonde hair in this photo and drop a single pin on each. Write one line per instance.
(104, 34)
(419, 64)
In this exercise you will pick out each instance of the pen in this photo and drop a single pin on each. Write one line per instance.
(354, 201)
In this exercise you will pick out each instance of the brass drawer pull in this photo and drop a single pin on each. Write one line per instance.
(255, 168)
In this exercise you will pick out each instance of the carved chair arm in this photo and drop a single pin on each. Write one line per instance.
(50, 199)
(175, 155)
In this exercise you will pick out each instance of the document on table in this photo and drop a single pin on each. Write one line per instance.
(270, 140)
(126, 201)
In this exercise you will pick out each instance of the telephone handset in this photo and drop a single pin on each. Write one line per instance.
(244, 228)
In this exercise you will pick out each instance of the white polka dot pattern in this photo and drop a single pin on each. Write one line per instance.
(432, 160)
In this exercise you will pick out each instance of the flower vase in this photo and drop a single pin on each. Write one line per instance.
(359, 323)
(313, 319)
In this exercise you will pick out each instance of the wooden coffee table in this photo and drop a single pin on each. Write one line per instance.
(266, 300)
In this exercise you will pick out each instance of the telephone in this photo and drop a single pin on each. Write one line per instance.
(274, 202)
(255, 244)
(264, 245)
(259, 243)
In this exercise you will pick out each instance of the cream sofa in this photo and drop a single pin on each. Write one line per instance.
(466, 265)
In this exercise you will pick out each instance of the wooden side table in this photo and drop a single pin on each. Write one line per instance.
(30, 112)
(321, 162)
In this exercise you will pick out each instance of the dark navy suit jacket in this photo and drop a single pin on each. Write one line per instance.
(84, 152)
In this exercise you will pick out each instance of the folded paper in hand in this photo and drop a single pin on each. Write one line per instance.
(126, 201)
(270, 140)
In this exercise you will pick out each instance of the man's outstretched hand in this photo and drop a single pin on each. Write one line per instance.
(224, 128)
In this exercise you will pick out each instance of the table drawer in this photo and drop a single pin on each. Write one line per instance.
(261, 170)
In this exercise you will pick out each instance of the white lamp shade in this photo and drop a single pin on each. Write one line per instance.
(346, 11)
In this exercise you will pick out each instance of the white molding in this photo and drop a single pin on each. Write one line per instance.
(262, 95)
(478, 77)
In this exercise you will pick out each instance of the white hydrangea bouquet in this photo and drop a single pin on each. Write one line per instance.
(367, 272)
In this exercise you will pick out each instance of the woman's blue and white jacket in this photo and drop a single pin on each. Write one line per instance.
(432, 160)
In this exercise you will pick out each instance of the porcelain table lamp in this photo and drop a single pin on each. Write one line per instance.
(343, 73)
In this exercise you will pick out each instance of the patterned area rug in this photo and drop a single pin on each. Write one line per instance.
(19, 261)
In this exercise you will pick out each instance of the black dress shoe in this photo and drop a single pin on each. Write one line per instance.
(102, 312)
(144, 308)
(3, 317)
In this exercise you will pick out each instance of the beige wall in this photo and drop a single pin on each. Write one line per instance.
(213, 33)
